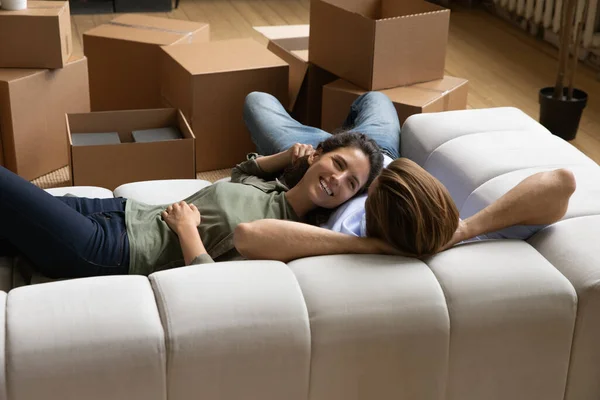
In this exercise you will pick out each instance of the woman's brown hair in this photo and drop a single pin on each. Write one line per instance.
(410, 209)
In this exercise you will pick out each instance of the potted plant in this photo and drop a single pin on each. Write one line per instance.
(561, 106)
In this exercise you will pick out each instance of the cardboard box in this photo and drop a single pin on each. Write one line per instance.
(306, 80)
(33, 103)
(379, 44)
(441, 95)
(124, 59)
(209, 82)
(112, 165)
(38, 37)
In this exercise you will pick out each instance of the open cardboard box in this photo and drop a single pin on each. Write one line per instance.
(124, 56)
(379, 44)
(440, 95)
(37, 37)
(306, 80)
(112, 165)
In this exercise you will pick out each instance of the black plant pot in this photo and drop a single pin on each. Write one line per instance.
(562, 116)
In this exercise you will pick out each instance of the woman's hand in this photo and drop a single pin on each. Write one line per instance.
(299, 150)
(180, 216)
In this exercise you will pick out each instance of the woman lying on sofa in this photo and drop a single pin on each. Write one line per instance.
(69, 237)
(407, 211)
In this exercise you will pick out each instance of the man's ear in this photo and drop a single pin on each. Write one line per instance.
(314, 157)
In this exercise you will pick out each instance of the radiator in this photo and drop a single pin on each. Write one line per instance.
(546, 14)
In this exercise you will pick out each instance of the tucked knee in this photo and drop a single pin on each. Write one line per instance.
(375, 95)
(254, 102)
(255, 98)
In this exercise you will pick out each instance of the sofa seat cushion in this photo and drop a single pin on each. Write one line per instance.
(572, 247)
(479, 155)
(422, 134)
(161, 191)
(94, 339)
(457, 325)
(234, 330)
(468, 150)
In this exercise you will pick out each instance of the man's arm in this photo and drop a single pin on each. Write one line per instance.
(540, 199)
(271, 239)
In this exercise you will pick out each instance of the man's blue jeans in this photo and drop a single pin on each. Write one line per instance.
(273, 130)
(64, 237)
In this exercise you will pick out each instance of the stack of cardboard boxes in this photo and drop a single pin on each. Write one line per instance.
(39, 83)
(166, 102)
(396, 47)
(138, 64)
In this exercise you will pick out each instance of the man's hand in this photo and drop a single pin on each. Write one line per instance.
(299, 150)
(181, 216)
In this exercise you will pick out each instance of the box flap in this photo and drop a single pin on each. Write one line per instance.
(413, 95)
(341, 42)
(36, 8)
(445, 94)
(298, 69)
(426, 50)
(370, 9)
(223, 56)
(442, 85)
(145, 29)
(123, 122)
(283, 31)
(301, 54)
(289, 37)
(423, 94)
(13, 74)
(345, 86)
(419, 95)
(395, 8)
(293, 44)
(290, 43)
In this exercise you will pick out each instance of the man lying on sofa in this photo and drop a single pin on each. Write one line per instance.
(407, 211)
(417, 225)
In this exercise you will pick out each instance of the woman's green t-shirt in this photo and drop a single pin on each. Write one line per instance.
(251, 195)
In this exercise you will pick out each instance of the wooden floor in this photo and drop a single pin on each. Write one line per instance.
(505, 66)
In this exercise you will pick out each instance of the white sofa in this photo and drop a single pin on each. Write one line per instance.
(487, 320)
